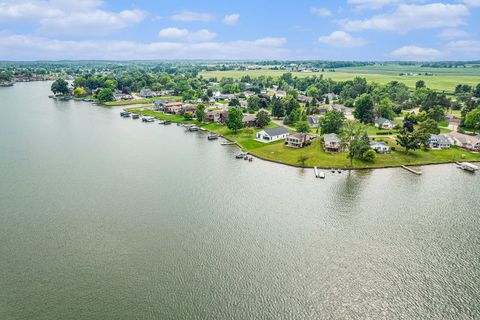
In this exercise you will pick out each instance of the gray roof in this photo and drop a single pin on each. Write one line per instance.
(381, 121)
(277, 131)
(331, 137)
(440, 138)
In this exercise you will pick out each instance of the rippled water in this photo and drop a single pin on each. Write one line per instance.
(110, 218)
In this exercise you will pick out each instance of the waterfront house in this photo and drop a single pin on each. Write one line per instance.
(272, 134)
(187, 108)
(379, 146)
(173, 107)
(146, 93)
(216, 116)
(385, 124)
(313, 121)
(465, 141)
(439, 141)
(304, 99)
(249, 121)
(332, 143)
(298, 140)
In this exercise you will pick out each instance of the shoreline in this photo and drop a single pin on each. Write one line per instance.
(256, 155)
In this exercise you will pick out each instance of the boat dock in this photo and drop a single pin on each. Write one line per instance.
(418, 173)
(318, 174)
(467, 166)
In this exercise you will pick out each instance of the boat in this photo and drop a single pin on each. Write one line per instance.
(245, 157)
(212, 136)
(321, 175)
(125, 114)
(250, 159)
(240, 155)
(148, 119)
(193, 128)
(167, 122)
(467, 166)
(227, 143)
(339, 170)
(333, 170)
(161, 121)
(135, 116)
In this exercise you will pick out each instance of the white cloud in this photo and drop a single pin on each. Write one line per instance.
(409, 17)
(186, 35)
(69, 17)
(22, 47)
(372, 4)
(342, 39)
(231, 19)
(322, 12)
(191, 16)
(470, 48)
(414, 53)
(453, 33)
(472, 3)
(93, 23)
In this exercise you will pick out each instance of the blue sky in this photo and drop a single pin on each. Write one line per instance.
(261, 29)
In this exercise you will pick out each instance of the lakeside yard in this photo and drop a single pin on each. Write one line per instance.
(315, 155)
(140, 101)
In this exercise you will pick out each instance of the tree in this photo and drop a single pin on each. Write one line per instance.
(364, 108)
(354, 137)
(234, 103)
(59, 86)
(472, 119)
(188, 115)
(429, 126)
(408, 140)
(234, 119)
(332, 122)
(105, 95)
(385, 109)
(419, 84)
(200, 112)
(253, 103)
(278, 109)
(476, 93)
(262, 118)
(79, 92)
(369, 155)
(302, 126)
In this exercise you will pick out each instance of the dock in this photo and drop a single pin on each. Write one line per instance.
(318, 174)
(418, 173)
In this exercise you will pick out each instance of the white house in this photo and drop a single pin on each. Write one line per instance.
(439, 141)
(385, 124)
(379, 146)
(272, 134)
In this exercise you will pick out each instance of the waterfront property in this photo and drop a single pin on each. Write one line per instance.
(249, 121)
(467, 142)
(439, 141)
(272, 134)
(332, 143)
(313, 121)
(298, 140)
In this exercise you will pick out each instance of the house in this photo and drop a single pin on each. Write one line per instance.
(331, 96)
(298, 140)
(216, 116)
(332, 143)
(187, 108)
(385, 124)
(379, 146)
(146, 93)
(465, 141)
(272, 134)
(249, 121)
(439, 141)
(172, 107)
(280, 94)
(304, 99)
(313, 121)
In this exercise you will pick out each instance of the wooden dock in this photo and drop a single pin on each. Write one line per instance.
(418, 173)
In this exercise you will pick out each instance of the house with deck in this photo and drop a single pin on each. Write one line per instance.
(298, 140)
(332, 143)
(439, 142)
(272, 134)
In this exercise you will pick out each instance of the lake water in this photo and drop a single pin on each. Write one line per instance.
(109, 218)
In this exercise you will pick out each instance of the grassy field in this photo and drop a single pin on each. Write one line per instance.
(277, 151)
(441, 81)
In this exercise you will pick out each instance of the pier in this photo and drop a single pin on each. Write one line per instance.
(418, 173)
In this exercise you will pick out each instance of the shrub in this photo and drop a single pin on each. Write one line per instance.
(393, 148)
(369, 155)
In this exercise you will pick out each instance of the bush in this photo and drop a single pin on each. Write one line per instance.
(393, 148)
(369, 155)
(384, 133)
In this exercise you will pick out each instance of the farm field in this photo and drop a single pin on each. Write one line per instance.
(444, 79)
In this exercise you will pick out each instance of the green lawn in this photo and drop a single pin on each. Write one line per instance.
(141, 101)
(442, 81)
(277, 151)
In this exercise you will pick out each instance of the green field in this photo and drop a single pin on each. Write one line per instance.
(278, 152)
(444, 79)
